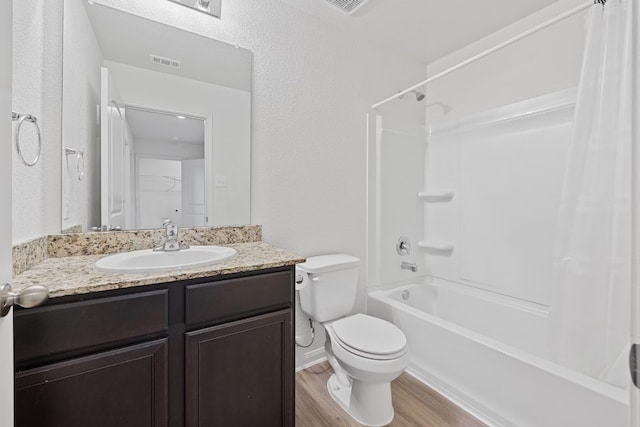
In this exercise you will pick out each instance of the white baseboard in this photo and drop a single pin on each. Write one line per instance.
(311, 358)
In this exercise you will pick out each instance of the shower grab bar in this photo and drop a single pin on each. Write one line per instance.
(489, 51)
(79, 160)
(21, 118)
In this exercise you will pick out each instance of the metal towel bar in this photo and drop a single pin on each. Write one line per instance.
(21, 118)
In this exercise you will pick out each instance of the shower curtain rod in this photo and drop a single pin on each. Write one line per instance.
(489, 51)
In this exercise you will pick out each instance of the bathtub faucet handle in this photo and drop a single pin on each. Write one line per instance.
(403, 247)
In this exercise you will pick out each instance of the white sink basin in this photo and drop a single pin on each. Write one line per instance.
(148, 261)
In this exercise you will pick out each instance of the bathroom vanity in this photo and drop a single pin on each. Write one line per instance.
(206, 347)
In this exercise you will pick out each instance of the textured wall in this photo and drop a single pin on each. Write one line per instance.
(37, 73)
(28, 19)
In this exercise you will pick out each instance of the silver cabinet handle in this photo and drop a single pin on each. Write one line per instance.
(30, 296)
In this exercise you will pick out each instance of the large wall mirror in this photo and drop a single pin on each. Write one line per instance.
(156, 124)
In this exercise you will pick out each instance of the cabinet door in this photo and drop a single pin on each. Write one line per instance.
(123, 387)
(241, 373)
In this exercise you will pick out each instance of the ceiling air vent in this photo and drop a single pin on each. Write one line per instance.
(348, 6)
(165, 62)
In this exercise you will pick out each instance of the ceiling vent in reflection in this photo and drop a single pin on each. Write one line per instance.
(348, 6)
(166, 62)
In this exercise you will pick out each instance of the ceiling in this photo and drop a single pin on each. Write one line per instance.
(162, 127)
(423, 29)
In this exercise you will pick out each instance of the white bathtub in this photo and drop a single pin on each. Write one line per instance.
(486, 353)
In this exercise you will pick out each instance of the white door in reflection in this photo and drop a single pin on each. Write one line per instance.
(159, 192)
(172, 189)
(168, 175)
(193, 198)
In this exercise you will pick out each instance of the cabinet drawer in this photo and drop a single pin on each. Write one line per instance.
(236, 298)
(65, 329)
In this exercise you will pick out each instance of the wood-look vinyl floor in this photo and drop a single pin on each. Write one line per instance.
(415, 404)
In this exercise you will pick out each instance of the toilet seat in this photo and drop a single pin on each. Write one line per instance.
(369, 337)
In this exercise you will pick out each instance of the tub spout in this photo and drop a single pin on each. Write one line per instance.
(409, 266)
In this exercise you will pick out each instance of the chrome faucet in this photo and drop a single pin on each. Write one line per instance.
(171, 233)
(409, 266)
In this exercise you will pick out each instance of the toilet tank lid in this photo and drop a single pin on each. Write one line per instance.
(324, 263)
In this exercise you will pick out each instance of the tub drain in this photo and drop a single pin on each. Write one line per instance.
(406, 294)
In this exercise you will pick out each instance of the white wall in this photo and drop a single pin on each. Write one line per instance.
(37, 68)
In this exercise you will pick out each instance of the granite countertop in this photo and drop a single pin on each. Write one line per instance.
(73, 275)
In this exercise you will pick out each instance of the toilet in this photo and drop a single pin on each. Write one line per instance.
(366, 353)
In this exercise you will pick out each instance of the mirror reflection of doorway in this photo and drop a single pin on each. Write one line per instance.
(169, 169)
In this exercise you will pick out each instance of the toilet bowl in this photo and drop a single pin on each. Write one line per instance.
(369, 367)
(366, 353)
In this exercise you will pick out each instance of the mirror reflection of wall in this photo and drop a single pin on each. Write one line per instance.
(212, 91)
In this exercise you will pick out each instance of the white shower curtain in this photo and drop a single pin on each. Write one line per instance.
(591, 286)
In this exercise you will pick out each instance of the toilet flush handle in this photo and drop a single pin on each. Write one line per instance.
(302, 278)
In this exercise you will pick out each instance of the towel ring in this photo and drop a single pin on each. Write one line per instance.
(16, 136)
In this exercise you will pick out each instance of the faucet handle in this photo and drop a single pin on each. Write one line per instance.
(172, 230)
(403, 247)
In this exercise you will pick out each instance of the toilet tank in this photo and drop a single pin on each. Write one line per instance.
(330, 284)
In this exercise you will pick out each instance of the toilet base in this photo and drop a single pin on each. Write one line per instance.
(367, 403)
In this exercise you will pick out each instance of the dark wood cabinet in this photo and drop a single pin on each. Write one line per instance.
(239, 374)
(124, 387)
(205, 352)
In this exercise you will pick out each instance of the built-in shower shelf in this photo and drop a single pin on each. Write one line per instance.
(436, 195)
(436, 246)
